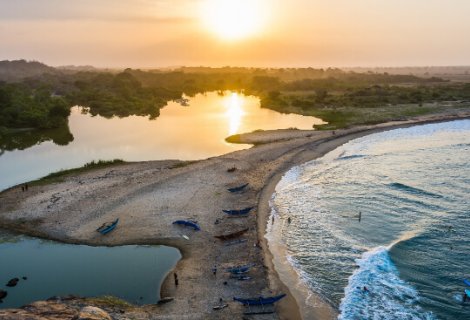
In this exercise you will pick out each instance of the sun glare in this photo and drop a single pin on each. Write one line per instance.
(234, 19)
(234, 104)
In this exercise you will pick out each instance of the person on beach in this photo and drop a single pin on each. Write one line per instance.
(214, 269)
(360, 216)
(176, 279)
(289, 220)
(465, 297)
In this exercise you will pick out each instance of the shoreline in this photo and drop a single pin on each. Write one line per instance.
(155, 191)
(322, 309)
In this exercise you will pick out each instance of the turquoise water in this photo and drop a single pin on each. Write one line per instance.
(410, 247)
(133, 273)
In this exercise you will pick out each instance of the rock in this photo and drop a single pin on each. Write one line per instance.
(3, 294)
(13, 282)
(92, 313)
(40, 310)
(25, 278)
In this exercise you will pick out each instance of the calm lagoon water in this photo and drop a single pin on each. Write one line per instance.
(192, 132)
(133, 273)
(410, 247)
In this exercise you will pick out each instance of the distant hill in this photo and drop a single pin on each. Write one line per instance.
(17, 70)
(78, 68)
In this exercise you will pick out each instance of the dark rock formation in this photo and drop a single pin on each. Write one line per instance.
(13, 282)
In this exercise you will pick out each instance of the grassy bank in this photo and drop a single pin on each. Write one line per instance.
(340, 112)
(59, 175)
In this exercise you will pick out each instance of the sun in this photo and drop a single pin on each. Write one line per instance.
(234, 19)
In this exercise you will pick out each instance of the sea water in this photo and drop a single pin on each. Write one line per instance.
(389, 212)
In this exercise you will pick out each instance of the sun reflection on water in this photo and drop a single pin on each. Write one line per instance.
(234, 104)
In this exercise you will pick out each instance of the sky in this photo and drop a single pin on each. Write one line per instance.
(251, 33)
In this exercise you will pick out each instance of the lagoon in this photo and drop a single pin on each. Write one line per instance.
(133, 273)
(192, 130)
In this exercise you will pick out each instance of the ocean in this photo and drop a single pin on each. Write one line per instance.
(380, 227)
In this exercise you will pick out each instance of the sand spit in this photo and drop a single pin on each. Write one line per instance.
(149, 196)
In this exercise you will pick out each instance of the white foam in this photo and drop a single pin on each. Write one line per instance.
(388, 296)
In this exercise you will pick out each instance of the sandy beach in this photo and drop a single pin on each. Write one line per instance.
(148, 196)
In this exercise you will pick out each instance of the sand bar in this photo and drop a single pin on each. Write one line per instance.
(148, 196)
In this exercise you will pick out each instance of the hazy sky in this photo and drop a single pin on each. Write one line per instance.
(159, 33)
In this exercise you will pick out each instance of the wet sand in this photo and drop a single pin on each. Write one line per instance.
(149, 196)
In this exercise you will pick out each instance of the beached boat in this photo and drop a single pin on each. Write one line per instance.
(240, 269)
(107, 228)
(259, 301)
(236, 189)
(188, 223)
(232, 235)
(238, 212)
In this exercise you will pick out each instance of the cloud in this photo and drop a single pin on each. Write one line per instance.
(157, 11)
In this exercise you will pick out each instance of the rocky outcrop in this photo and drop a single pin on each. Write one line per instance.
(52, 310)
(13, 282)
(92, 313)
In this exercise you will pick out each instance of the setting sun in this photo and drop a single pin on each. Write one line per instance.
(234, 20)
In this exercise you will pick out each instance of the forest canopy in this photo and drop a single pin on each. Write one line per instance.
(43, 100)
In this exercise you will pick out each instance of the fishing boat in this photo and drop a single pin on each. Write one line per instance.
(188, 223)
(232, 235)
(238, 212)
(259, 301)
(236, 189)
(466, 281)
(240, 269)
(107, 228)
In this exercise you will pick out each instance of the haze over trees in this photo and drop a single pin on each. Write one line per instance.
(39, 96)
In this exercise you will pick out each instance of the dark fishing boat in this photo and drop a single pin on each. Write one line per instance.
(240, 269)
(188, 223)
(261, 301)
(236, 189)
(107, 228)
(232, 235)
(238, 212)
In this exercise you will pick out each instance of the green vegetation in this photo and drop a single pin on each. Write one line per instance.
(22, 107)
(110, 301)
(42, 100)
(343, 104)
(59, 175)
